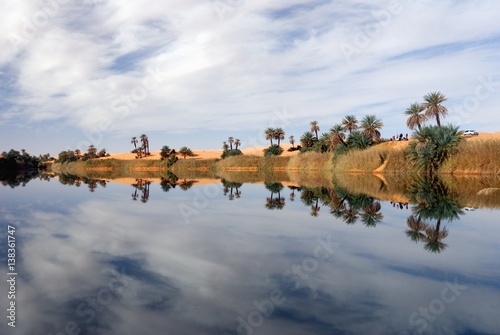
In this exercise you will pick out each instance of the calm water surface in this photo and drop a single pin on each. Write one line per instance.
(246, 259)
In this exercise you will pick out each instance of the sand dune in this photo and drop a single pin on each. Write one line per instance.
(258, 150)
(203, 154)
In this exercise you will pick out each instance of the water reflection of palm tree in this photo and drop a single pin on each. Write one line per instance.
(292, 195)
(371, 214)
(350, 215)
(274, 202)
(186, 184)
(434, 201)
(142, 186)
(434, 235)
(416, 226)
(315, 208)
(232, 188)
(168, 182)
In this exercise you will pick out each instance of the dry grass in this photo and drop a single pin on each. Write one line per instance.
(475, 157)
(371, 159)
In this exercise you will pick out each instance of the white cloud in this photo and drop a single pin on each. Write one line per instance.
(231, 70)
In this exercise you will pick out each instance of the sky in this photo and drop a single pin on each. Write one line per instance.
(194, 72)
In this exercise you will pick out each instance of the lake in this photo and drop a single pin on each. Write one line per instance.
(194, 257)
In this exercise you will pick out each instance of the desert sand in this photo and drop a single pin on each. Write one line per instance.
(257, 151)
(204, 154)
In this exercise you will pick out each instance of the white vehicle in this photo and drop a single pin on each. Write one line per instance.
(470, 132)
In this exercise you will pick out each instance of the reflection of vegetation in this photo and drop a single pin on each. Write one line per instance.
(14, 178)
(275, 201)
(19, 161)
(343, 205)
(232, 188)
(292, 195)
(433, 201)
(169, 182)
(72, 180)
(186, 184)
(141, 186)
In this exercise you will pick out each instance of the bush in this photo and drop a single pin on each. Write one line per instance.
(433, 146)
(229, 153)
(305, 149)
(273, 150)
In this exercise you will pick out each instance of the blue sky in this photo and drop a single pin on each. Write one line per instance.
(195, 72)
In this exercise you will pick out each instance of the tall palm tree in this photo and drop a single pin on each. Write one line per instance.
(371, 126)
(231, 141)
(237, 143)
(145, 144)
(279, 134)
(270, 134)
(291, 139)
(433, 108)
(416, 117)
(134, 142)
(315, 128)
(350, 123)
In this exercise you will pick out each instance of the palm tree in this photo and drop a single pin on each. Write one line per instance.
(307, 139)
(145, 144)
(237, 143)
(371, 126)
(270, 134)
(231, 141)
(279, 134)
(338, 135)
(433, 107)
(315, 128)
(134, 142)
(291, 139)
(350, 123)
(416, 118)
(185, 151)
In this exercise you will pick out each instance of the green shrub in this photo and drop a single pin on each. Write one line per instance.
(273, 150)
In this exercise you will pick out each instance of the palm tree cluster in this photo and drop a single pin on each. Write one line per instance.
(420, 113)
(143, 149)
(275, 201)
(74, 155)
(228, 150)
(277, 134)
(434, 201)
(232, 188)
(17, 161)
(349, 133)
(141, 186)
